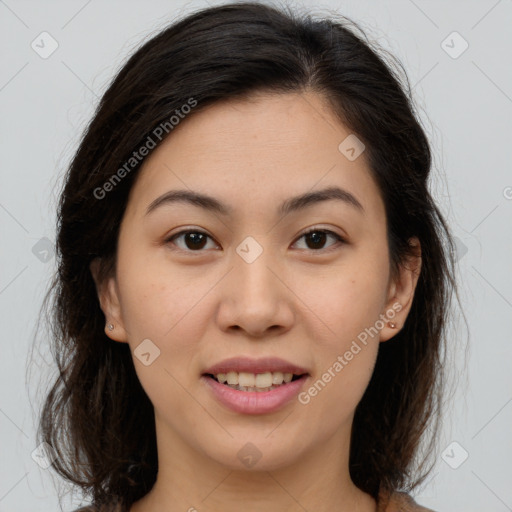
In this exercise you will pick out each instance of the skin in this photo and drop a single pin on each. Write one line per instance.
(302, 302)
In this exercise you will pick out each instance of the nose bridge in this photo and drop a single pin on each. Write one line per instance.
(257, 298)
(252, 262)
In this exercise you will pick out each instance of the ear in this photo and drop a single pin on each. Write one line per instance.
(401, 292)
(108, 296)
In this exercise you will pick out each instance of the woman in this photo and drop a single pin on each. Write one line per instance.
(254, 279)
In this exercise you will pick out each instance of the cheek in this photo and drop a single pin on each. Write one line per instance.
(170, 307)
(348, 300)
(164, 306)
(348, 305)
(156, 298)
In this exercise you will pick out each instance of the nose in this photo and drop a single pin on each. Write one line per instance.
(255, 298)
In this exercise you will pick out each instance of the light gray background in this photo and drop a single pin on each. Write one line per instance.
(466, 108)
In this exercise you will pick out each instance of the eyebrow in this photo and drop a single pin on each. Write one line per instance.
(290, 205)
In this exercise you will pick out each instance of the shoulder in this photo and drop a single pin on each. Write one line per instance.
(399, 502)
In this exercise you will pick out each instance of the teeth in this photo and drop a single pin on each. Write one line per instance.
(252, 380)
(263, 380)
(277, 378)
(246, 380)
(232, 378)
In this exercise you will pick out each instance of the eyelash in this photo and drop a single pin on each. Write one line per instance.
(340, 240)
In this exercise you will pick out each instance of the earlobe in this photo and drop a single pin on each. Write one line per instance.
(108, 297)
(401, 293)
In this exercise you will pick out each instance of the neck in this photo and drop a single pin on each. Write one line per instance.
(189, 481)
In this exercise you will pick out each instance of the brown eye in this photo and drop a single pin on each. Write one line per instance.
(191, 240)
(195, 241)
(316, 238)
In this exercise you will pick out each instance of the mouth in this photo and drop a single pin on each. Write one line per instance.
(254, 386)
(255, 382)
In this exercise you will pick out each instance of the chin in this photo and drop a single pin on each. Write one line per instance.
(253, 453)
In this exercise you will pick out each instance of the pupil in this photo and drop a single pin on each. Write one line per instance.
(197, 242)
(317, 237)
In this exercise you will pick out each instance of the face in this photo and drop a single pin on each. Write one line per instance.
(239, 276)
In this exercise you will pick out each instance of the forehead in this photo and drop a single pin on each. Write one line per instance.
(257, 151)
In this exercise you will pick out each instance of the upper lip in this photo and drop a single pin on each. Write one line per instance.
(261, 365)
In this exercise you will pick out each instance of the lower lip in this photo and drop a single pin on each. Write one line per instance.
(255, 402)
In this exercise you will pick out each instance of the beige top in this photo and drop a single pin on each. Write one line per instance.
(387, 502)
(398, 502)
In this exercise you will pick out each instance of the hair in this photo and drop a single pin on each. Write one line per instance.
(96, 416)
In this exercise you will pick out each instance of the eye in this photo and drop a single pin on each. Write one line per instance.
(194, 240)
(317, 237)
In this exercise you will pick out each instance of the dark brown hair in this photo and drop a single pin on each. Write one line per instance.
(97, 417)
